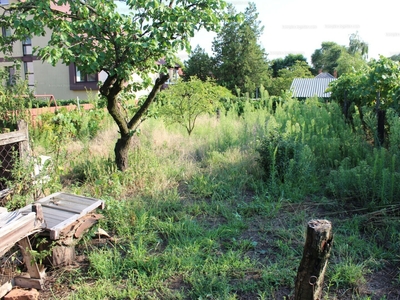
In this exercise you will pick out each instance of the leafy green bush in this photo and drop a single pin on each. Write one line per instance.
(76, 124)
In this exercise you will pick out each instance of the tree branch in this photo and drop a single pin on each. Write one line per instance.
(150, 98)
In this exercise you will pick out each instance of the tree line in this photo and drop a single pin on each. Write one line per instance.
(241, 64)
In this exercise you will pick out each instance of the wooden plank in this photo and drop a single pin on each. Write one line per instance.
(8, 217)
(31, 265)
(78, 227)
(5, 288)
(7, 241)
(24, 148)
(22, 230)
(37, 209)
(14, 223)
(85, 225)
(29, 283)
(47, 198)
(55, 231)
(92, 207)
(12, 137)
(87, 201)
(75, 198)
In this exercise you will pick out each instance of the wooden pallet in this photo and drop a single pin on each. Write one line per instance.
(60, 216)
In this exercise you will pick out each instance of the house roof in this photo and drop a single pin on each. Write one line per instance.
(309, 87)
(324, 75)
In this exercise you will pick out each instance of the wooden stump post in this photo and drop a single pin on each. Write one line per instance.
(24, 144)
(310, 275)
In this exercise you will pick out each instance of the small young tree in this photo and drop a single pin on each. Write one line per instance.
(349, 90)
(376, 87)
(185, 101)
(384, 82)
(96, 37)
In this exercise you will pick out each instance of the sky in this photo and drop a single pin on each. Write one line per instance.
(300, 26)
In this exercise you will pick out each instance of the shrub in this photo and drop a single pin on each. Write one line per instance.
(276, 154)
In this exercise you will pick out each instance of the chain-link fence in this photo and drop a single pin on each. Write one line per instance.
(8, 153)
(12, 146)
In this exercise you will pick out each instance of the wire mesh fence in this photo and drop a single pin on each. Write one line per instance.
(8, 153)
(12, 146)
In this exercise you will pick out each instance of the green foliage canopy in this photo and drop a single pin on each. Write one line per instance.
(326, 57)
(332, 57)
(285, 63)
(96, 37)
(380, 76)
(357, 46)
(199, 64)
(384, 78)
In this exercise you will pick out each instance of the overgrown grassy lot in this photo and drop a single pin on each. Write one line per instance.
(222, 214)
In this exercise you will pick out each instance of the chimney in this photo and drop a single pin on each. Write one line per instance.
(335, 73)
(319, 71)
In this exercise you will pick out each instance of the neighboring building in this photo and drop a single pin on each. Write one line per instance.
(174, 72)
(303, 88)
(61, 81)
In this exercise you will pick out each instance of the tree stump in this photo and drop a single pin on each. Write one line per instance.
(317, 248)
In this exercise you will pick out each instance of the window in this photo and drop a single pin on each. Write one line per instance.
(29, 74)
(81, 77)
(27, 46)
(11, 75)
(78, 81)
(173, 75)
(5, 31)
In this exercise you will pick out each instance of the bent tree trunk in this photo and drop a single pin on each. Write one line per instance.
(110, 90)
(121, 151)
(381, 121)
(381, 127)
